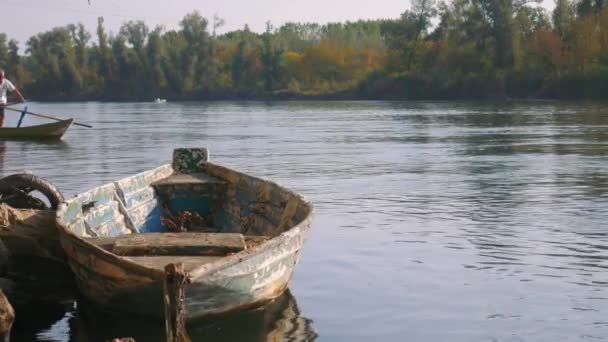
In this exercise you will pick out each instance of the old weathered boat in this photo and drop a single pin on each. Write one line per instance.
(239, 237)
(54, 130)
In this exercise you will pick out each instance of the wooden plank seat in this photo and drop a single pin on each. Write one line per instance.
(176, 244)
(187, 243)
(187, 179)
(214, 244)
(190, 262)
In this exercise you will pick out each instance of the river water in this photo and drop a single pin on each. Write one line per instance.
(435, 221)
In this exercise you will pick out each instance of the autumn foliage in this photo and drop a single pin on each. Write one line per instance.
(455, 49)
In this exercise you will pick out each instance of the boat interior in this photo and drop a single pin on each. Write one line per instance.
(193, 214)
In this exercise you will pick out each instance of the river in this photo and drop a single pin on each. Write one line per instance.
(435, 221)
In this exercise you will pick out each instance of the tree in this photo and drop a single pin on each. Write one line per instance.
(156, 58)
(135, 33)
(3, 50)
(500, 13)
(239, 64)
(174, 67)
(272, 57)
(563, 17)
(214, 64)
(424, 11)
(588, 7)
(530, 20)
(54, 58)
(126, 67)
(81, 38)
(15, 68)
(104, 56)
(196, 55)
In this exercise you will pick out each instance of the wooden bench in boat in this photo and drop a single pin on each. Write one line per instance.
(209, 244)
(187, 179)
(155, 250)
(186, 243)
(216, 244)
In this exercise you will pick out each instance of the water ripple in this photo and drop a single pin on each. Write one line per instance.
(435, 221)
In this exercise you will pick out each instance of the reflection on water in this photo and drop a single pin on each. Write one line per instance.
(434, 221)
(280, 320)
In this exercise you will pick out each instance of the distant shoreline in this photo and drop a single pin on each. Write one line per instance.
(280, 98)
(383, 89)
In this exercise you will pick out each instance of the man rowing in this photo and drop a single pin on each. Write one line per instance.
(6, 85)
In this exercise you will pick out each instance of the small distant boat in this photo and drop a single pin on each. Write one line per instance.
(158, 100)
(54, 130)
(238, 237)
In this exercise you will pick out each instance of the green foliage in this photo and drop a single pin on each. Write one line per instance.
(3, 50)
(563, 17)
(271, 55)
(239, 63)
(15, 66)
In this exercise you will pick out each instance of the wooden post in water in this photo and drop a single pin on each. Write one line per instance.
(174, 295)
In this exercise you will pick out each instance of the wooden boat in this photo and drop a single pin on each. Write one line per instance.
(54, 130)
(238, 254)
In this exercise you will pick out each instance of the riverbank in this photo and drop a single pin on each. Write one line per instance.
(400, 87)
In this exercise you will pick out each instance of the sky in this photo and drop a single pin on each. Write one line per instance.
(23, 18)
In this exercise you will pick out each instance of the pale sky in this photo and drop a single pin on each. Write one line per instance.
(24, 18)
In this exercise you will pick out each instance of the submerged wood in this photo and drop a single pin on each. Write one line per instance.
(174, 294)
(273, 221)
(179, 244)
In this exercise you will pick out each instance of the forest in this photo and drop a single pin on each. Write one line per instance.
(462, 49)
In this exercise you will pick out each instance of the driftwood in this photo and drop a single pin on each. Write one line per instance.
(174, 294)
(7, 316)
(30, 251)
(30, 232)
(206, 244)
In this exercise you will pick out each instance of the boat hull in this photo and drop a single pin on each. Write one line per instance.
(248, 284)
(54, 130)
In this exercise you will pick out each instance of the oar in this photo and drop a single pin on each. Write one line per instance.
(48, 117)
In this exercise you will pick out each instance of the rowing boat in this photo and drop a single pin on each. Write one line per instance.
(238, 237)
(54, 130)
